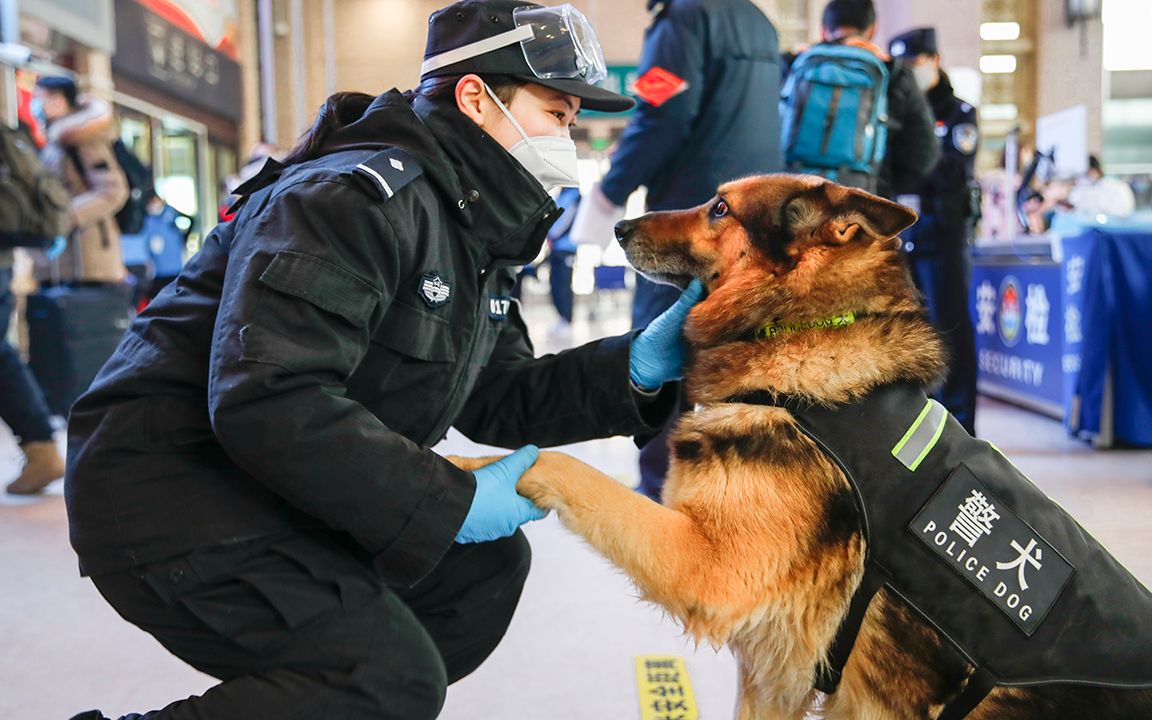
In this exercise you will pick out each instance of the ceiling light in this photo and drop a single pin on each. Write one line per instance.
(993, 64)
(999, 31)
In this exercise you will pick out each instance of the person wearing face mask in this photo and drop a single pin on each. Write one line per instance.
(250, 478)
(80, 130)
(948, 204)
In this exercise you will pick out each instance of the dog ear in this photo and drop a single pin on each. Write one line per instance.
(874, 215)
(774, 227)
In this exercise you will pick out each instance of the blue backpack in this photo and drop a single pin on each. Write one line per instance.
(834, 114)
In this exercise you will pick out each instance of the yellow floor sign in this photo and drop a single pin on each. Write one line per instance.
(664, 688)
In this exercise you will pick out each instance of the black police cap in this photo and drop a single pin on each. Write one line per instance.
(469, 21)
(919, 41)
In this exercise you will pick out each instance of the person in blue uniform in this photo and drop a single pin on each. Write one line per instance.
(937, 245)
(250, 478)
(708, 88)
(562, 258)
(166, 231)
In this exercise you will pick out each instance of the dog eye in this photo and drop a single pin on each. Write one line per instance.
(720, 209)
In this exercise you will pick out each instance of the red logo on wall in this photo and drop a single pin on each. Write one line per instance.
(657, 86)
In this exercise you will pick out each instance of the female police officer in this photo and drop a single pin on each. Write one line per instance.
(249, 479)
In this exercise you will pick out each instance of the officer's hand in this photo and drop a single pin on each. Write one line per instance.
(496, 509)
(56, 249)
(658, 351)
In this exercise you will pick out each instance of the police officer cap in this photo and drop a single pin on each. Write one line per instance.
(467, 22)
(919, 41)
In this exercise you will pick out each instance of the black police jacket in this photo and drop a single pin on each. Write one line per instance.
(946, 195)
(294, 375)
(709, 112)
(1000, 570)
(912, 146)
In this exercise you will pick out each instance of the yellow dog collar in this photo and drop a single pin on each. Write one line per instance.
(777, 327)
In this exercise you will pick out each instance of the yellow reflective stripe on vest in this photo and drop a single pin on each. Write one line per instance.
(922, 436)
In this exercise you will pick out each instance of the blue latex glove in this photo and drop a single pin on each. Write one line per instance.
(56, 249)
(657, 353)
(496, 509)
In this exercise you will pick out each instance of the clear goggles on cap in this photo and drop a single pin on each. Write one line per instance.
(558, 43)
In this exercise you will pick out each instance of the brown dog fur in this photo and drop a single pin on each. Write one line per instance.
(758, 544)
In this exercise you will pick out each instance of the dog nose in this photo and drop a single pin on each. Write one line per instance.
(623, 229)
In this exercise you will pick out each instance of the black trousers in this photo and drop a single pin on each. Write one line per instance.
(943, 280)
(301, 626)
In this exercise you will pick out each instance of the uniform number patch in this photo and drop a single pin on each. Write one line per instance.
(967, 528)
(498, 306)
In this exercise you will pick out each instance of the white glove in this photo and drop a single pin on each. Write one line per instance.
(596, 219)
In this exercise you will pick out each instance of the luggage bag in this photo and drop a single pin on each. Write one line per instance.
(72, 331)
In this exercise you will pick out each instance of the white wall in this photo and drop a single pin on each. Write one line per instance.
(1069, 67)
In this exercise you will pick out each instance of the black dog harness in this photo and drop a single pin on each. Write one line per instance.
(968, 542)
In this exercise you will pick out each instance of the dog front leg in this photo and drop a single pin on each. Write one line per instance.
(753, 707)
(662, 550)
(766, 695)
(470, 463)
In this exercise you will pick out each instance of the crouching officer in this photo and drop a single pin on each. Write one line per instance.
(937, 245)
(249, 478)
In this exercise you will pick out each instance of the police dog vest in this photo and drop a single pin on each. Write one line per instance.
(964, 538)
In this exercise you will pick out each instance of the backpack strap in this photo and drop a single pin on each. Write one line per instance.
(74, 157)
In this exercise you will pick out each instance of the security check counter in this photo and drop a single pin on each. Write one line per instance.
(1064, 326)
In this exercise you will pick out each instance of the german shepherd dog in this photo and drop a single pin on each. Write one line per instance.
(758, 544)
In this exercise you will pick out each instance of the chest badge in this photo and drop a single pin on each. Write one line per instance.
(434, 289)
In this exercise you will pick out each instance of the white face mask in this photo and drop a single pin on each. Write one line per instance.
(550, 159)
(926, 76)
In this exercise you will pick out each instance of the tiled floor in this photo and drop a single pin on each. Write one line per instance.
(569, 652)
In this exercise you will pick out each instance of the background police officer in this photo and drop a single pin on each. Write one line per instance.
(708, 88)
(937, 245)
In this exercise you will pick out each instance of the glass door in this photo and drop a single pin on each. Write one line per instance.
(179, 183)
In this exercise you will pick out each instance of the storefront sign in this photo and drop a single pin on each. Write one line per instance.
(86, 21)
(213, 22)
(1019, 315)
(157, 53)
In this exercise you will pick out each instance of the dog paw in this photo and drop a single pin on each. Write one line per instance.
(470, 463)
(546, 482)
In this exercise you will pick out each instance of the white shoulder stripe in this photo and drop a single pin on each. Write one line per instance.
(380, 179)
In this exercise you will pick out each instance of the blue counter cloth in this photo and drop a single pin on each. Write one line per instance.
(1117, 334)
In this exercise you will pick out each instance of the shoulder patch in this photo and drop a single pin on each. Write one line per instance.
(389, 170)
(965, 138)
